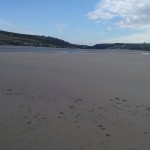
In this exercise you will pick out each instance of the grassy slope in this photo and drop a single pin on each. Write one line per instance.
(9, 38)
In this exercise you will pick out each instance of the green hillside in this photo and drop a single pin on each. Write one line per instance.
(16, 39)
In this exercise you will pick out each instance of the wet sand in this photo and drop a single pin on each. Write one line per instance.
(53, 101)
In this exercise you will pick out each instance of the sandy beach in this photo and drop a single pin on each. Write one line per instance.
(81, 101)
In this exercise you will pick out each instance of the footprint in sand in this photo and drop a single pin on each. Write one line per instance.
(101, 126)
(108, 135)
(29, 122)
(62, 113)
(77, 100)
(78, 115)
(72, 106)
(25, 117)
(124, 100)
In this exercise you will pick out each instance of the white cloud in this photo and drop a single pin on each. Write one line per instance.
(4, 25)
(61, 26)
(131, 13)
(7, 26)
(134, 38)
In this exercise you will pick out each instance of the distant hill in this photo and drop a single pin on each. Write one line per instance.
(130, 46)
(16, 39)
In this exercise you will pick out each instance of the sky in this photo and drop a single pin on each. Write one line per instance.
(79, 21)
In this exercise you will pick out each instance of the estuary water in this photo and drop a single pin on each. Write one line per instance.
(68, 50)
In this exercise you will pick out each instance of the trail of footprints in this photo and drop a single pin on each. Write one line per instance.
(36, 119)
(11, 91)
(116, 104)
(75, 110)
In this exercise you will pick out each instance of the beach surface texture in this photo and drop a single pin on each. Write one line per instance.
(74, 101)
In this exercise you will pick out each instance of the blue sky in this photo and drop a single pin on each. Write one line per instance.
(79, 21)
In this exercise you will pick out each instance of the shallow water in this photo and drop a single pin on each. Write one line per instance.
(68, 51)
